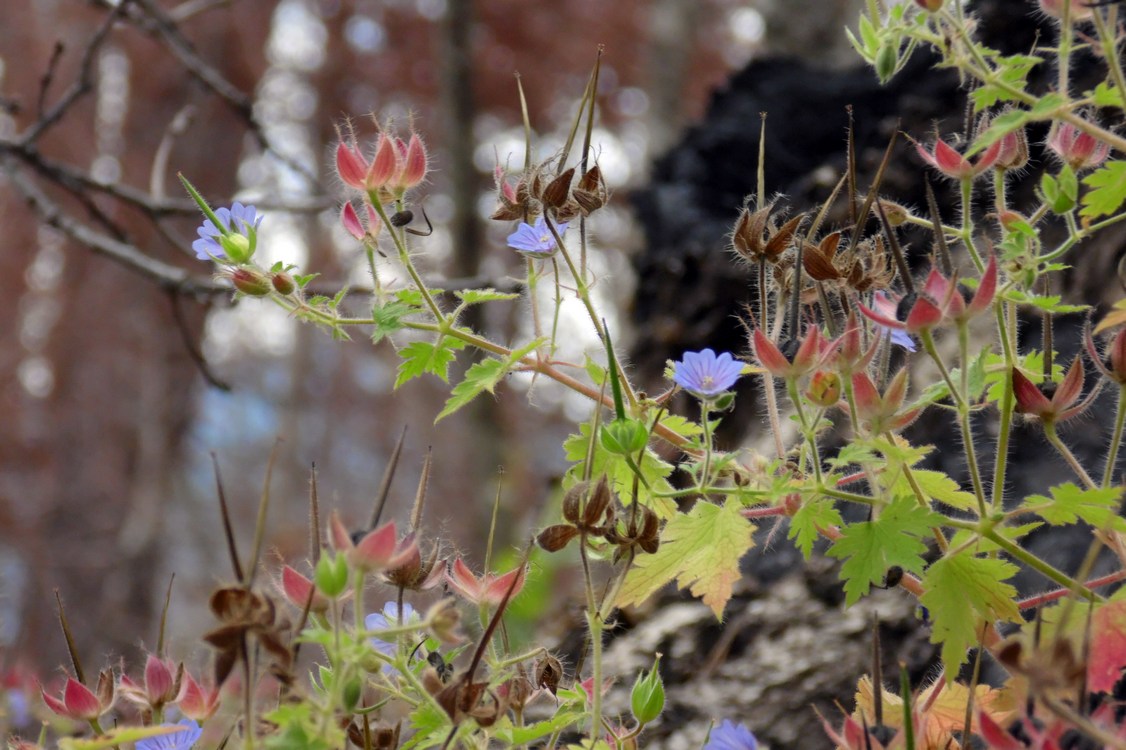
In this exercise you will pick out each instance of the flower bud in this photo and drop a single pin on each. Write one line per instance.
(1076, 148)
(283, 283)
(250, 281)
(930, 6)
(353, 690)
(887, 61)
(238, 247)
(824, 389)
(647, 699)
(624, 437)
(331, 575)
(443, 618)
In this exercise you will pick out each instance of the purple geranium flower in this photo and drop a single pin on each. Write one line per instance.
(535, 239)
(731, 736)
(182, 739)
(706, 375)
(389, 618)
(886, 306)
(238, 219)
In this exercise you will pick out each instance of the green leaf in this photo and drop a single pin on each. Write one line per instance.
(869, 548)
(513, 736)
(700, 550)
(1069, 503)
(682, 426)
(481, 376)
(961, 593)
(1106, 94)
(1107, 191)
(938, 486)
(1012, 72)
(477, 296)
(654, 471)
(813, 515)
(1046, 302)
(854, 452)
(388, 318)
(421, 357)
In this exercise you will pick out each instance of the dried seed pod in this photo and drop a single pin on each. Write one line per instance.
(558, 190)
(555, 538)
(548, 673)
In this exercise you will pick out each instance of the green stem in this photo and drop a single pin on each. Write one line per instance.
(1068, 456)
(967, 232)
(1034, 562)
(707, 463)
(963, 412)
(808, 430)
(1116, 437)
(1007, 406)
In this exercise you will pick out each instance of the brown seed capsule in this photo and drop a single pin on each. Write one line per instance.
(555, 538)
(557, 191)
(548, 673)
(598, 502)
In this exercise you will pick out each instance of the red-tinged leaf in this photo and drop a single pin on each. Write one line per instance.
(879, 318)
(700, 550)
(896, 391)
(1030, 400)
(350, 220)
(1108, 646)
(810, 350)
(924, 314)
(80, 701)
(377, 547)
(936, 286)
(986, 290)
(338, 533)
(385, 164)
(350, 166)
(1071, 387)
(949, 161)
(868, 401)
(769, 355)
(995, 736)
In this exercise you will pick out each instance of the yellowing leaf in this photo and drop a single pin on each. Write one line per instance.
(700, 550)
(946, 713)
(939, 486)
(962, 592)
(116, 736)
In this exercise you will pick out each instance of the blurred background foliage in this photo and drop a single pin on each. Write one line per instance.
(106, 419)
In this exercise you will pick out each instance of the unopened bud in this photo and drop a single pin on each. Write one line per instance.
(824, 389)
(283, 283)
(930, 6)
(624, 437)
(887, 61)
(331, 575)
(443, 619)
(238, 247)
(647, 699)
(250, 282)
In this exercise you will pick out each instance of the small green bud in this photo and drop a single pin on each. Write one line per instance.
(331, 575)
(887, 61)
(238, 247)
(625, 437)
(647, 699)
(353, 690)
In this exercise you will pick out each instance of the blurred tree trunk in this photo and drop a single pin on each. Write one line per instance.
(87, 460)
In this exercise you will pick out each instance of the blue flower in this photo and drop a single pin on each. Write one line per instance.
(731, 736)
(535, 239)
(182, 739)
(706, 375)
(237, 220)
(385, 620)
